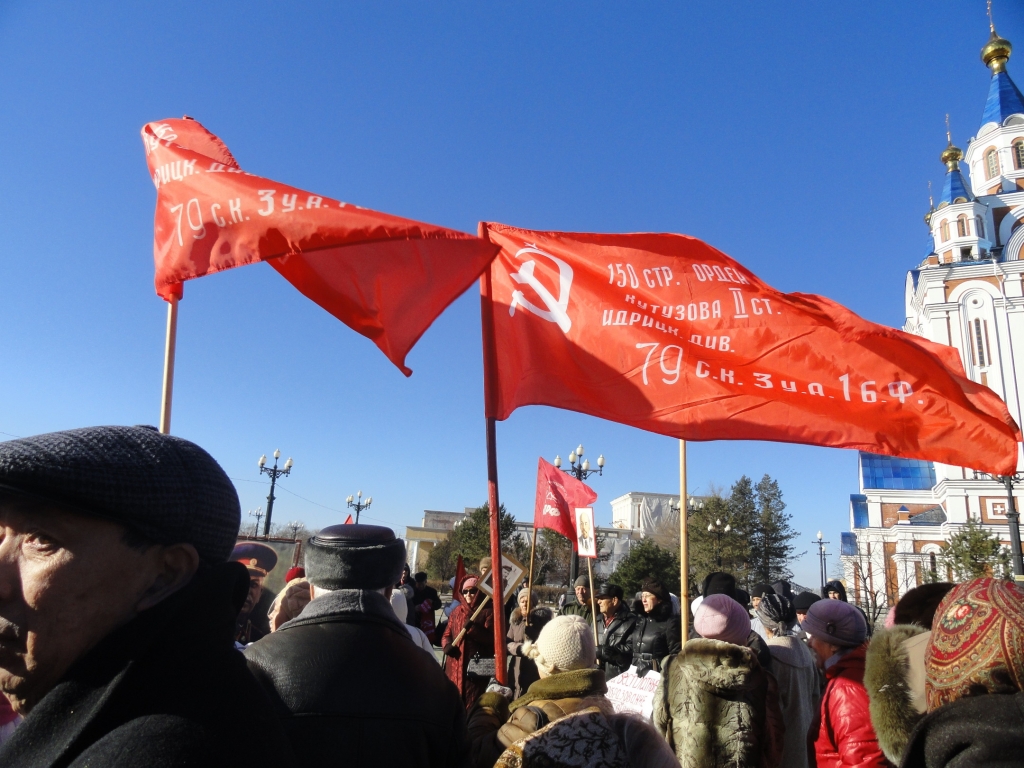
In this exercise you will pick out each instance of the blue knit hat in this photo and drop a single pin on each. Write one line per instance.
(164, 488)
(835, 622)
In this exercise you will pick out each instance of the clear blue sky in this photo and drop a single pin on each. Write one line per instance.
(798, 138)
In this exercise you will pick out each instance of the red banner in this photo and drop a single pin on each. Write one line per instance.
(558, 495)
(665, 333)
(385, 277)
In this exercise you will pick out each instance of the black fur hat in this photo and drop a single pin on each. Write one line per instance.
(354, 557)
(719, 583)
(918, 606)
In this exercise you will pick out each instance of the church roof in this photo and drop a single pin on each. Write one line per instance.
(955, 188)
(934, 516)
(1004, 99)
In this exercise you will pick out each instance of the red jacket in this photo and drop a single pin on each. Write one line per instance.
(845, 735)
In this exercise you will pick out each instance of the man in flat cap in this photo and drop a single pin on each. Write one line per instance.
(253, 620)
(117, 606)
(371, 698)
(584, 605)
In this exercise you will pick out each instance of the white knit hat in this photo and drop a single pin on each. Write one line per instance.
(565, 643)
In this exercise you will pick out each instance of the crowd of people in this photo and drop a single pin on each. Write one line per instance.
(134, 630)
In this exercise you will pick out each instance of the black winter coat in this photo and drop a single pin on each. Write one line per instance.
(985, 731)
(615, 642)
(166, 689)
(657, 634)
(352, 689)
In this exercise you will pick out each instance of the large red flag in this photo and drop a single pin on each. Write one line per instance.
(558, 496)
(665, 333)
(385, 277)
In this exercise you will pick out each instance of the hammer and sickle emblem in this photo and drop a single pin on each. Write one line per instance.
(556, 311)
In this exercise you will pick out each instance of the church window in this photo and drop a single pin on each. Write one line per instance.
(945, 231)
(981, 343)
(979, 226)
(991, 164)
(1018, 154)
(961, 226)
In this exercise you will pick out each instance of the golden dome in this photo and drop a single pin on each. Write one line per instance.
(951, 156)
(995, 53)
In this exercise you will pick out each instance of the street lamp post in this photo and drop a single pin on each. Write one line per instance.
(358, 504)
(578, 466)
(258, 514)
(692, 506)
(274, 473)
(821, 559)
(1012, 517)
(581, 470)
(718, 530)
(295, 525)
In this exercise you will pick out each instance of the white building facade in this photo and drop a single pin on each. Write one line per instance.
(967, 293)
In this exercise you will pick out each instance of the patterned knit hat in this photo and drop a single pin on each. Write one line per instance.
(776, 613)
(977, 643)
(565, 643)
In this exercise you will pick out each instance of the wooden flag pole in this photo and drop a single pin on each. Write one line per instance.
(529, 586)
(593, 603)
(169, 349)
(684, 561)
(490, 382)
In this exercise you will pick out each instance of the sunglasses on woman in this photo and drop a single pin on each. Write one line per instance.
(472, 591)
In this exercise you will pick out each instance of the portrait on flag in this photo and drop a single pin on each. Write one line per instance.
(586, 534)
(665, 333)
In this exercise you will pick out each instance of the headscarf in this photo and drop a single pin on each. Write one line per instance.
(977, 642)
(469, 581)
(776, 613)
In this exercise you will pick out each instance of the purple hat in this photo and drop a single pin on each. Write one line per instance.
(835, 622)
(719, 617)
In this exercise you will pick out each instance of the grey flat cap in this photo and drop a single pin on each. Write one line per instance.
(165, 488)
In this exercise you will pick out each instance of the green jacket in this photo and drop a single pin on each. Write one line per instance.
(577, 609)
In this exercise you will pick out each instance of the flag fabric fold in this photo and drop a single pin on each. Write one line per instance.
(558, 496)
(665, 333)
(385, 277)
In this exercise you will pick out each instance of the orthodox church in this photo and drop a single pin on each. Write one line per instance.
(966, 293)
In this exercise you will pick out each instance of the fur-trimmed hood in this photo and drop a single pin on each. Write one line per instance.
(886, 671)
(720, 667)
(711, 704)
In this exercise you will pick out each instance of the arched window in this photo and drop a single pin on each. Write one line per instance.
(979, 226)
(961, 226)
(991, 164)
(945, 231)
(1018, 154)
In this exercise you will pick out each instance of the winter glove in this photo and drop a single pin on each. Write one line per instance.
(515, 649)
(451, 650)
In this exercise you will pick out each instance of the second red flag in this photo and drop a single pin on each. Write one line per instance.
(558, 496)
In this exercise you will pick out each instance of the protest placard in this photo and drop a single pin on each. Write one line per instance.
(629, 693)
